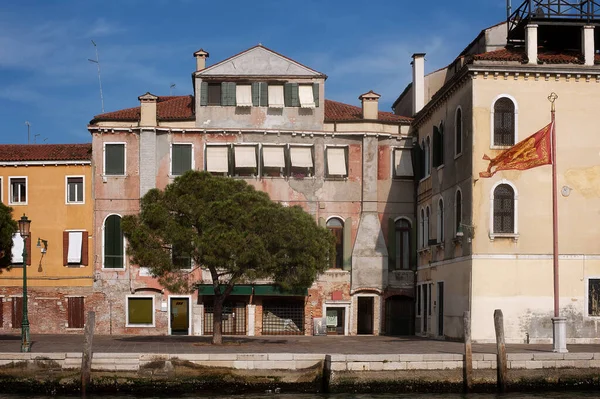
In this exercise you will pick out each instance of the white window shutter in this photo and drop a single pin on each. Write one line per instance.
(17, 248)
(273, 157)
(301, 157)
(74, 252)
(217, 159)
(245, 156)
(336, 161)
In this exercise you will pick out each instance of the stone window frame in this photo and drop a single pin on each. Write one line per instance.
(492, 124)
(515, 234)
(127, 323)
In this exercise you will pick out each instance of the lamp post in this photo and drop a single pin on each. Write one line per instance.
(24, 225)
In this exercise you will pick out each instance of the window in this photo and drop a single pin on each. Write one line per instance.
(261, 94)
(458, 132)
(18, 191)
(438, 145)
(504, 120)
(427, 154)
(273, 161)
(114, 159)
(305, 94)
(75, 312)
(594, 297)
(245, 160)
(440, 221)
(214, 93)
(276, 96)
(301, 161)
(504, 209)
(243, 94)
(336, 226)
(113, 243)
(75, 190)
(181, 158)
(75, 248)
(426, 227)
(418, 301)
(140, 311)
(181, 260)
(402, 163)
(217, 159)
(458, 211)
(422, 229)
(336, 161)
(399, 244)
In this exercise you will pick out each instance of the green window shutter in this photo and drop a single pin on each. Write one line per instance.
(295, 96)
(232, 92)
(182, 158)
(256, 86)
(114, 159)
(228, 94)
(287, 94)
(391, 244)
(316, 94)
(113, 242)
(204, 93)
(347, 244)
(322, 222)
(264, 94)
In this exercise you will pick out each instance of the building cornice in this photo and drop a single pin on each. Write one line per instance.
(43, 163)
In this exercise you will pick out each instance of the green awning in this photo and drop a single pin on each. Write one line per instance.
(273, 290)
(207, 289)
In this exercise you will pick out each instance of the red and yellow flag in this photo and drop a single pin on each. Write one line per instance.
(535, 150)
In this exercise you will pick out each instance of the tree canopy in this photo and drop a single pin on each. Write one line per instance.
(8, 227)
(230, 229)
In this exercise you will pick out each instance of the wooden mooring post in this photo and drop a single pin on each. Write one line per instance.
(468, 361)
(501, 366)
(86, 358)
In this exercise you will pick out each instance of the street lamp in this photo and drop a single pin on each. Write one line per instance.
(24, 225)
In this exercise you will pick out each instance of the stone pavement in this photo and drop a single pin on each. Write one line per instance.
(272, 344)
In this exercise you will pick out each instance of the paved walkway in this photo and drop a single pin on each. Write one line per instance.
(275, 344)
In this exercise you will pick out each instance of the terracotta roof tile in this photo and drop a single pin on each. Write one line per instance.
(181, 108)
(340, 112)
(168, 108)
(45, 152)
(544, 55)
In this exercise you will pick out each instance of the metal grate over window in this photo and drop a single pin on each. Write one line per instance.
(283, 317)
(594, 297)
(504, 209)
(504, 122)
(233, 319)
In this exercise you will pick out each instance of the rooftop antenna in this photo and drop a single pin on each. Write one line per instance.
(97, 62)
(508, 9)
(171, 87)
(28, 128)
(35, 137)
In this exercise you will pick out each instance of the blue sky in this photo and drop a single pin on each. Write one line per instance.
(147, 45)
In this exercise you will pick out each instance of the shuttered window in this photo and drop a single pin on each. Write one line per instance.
(458, 131)
(114, 159)
(276, 96)
(213, 94)
(273, 159)
(228, 94)
(402, 163)
(140, 311)
(17, 312)
(292, 98)
(438, 146)
(504, 209)
(243, 95)
(75, 190)
(504, 122)
(260, 94)
(245, 160)
(306, 96)
(399, 244)
(336, 161)
(217, 159)
(75, 312)
(113, 243)
(75, 248)
(301, 161)
(181, 158)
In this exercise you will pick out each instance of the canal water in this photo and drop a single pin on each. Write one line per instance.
(545, 395)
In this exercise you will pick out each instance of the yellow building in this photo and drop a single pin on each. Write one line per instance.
(51, 185)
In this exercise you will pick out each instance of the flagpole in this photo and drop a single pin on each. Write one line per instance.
(559, 330)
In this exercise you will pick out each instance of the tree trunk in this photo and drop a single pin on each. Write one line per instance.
(217, 338)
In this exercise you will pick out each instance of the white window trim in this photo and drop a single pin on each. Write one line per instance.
(440, 221)
(347, 154)
(193, 166)
(206, 145)
(587, 297)
(346, 305)
(127, 311)
(184, 270)
(404, 218)
(261, 161)
(501, 147)
(421, 235)
(426, 226)
(441, 128)
(335, 217)
(458, 190)
(457, 133)
(10, 190)
(393, 163)
(189, 298)
(124, 158)
(257, 153)
(312, 146)
(124, 245)
(515, 233)
(67, 202)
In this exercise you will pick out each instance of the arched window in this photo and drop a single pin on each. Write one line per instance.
(426, 157)
(458, 128)
(422, 229)
(440, 221)
(113, 243)
(458, 211)
(426, 227)
(504, 209)
(504, 122)
(401, 245)
(336, 226)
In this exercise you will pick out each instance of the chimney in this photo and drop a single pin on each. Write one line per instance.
(589, 49)
(370, 105)
(418, 84)
(148, 109)
(531, 43)
(201, 57)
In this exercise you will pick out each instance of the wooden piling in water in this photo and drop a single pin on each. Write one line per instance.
(86, 358)
(501, 366)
